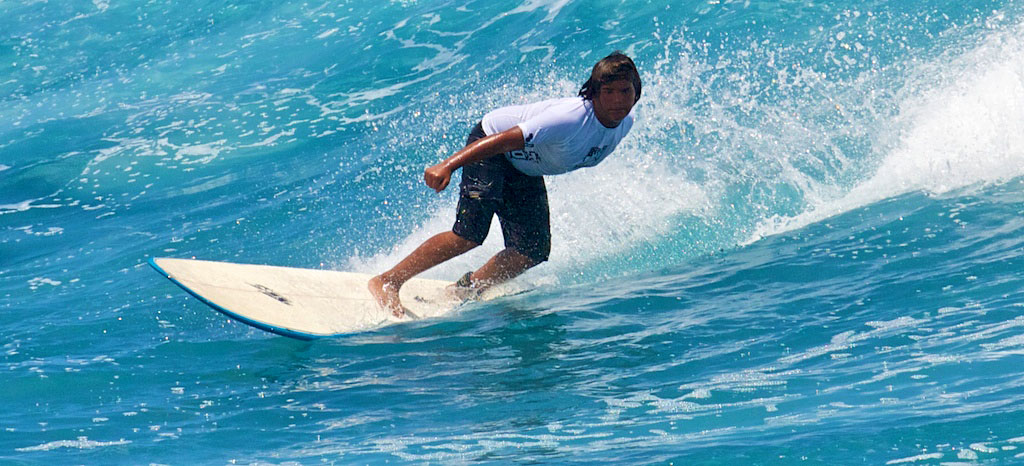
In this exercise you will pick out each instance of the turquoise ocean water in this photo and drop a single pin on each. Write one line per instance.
(808, 250)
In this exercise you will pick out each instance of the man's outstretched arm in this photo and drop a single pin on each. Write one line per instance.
(438, 176)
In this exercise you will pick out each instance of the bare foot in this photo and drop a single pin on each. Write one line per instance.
(467, 290)
(462, 293)
(386, 295)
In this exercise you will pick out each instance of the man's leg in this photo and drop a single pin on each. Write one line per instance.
(437, 249)
(505, 265)
(526, 227)
(480, 181)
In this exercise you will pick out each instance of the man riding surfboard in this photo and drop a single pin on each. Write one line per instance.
(503, 164)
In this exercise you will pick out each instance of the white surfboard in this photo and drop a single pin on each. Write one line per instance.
(300, 303)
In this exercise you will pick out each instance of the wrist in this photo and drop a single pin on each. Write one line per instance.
(449, 165)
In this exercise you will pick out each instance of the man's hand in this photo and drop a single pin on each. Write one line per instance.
(437, 177)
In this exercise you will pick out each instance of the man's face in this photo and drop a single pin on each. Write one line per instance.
(613, 102)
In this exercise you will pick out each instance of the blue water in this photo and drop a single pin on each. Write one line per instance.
(808, 250)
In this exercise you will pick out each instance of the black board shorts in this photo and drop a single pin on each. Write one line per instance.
(493, 186)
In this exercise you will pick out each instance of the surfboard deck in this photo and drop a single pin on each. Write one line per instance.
(300, 303)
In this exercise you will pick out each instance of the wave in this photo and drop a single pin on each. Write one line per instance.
(957, 126)
(741, 142)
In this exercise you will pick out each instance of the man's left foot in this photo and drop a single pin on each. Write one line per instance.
(464, 288)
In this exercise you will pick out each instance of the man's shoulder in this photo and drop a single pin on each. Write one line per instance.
(561, 111)
(628, 122)
(568, 104)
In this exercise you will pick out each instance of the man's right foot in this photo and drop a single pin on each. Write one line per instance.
(464, 289)
(386, 295)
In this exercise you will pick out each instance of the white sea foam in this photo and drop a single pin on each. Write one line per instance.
(82, 443)
(25, 205)
(916, 458)
(958, 125)
(850, 339)
(327, 33)
(50, 231)
(36, 282)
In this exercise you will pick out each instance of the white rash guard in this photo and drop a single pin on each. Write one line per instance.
(560, 135)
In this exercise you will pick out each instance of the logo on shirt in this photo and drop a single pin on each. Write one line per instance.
(528, 153)
(595, 156)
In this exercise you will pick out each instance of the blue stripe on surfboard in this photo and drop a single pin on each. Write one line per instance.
(245, 320)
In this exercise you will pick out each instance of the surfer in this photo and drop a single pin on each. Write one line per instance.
(503, 165)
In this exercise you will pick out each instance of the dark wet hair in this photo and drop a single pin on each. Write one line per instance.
(614, 67)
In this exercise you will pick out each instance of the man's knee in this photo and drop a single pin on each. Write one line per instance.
(535, 255)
